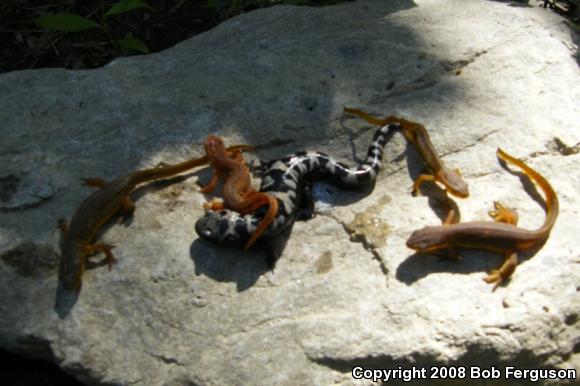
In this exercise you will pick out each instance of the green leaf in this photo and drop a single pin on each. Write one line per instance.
(126, 6)
(130, 43)
(67, 22)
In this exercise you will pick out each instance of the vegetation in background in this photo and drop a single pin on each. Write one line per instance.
(70, 22)
(82, 34)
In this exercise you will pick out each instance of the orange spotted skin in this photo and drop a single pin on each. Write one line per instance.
(111, 198)
(418, 136)
(238, 193)
(501, 236)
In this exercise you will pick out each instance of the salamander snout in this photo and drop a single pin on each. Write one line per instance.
(203, 230)
(207, 227)
(426, 239)
(221, 227)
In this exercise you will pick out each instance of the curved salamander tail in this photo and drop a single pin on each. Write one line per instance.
(552, 205)
(268, 218)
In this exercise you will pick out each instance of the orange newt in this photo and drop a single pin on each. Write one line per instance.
(418, 136)
(500, 236)
(99, 207)
(238, 192)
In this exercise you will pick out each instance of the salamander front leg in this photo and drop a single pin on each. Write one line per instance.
(104, 248)
(212, 183)
(419, 181)
(214, 205)
(95, 182)
(449, 254)
(127, 207)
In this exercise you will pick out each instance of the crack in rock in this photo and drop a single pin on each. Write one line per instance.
(457, 66)
(429, 78)
(474, 143)
(166, 360)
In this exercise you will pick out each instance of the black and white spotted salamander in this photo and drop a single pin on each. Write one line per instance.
(286, 179)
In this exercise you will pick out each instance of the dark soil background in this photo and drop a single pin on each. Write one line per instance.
(19, 371)
(25, 45)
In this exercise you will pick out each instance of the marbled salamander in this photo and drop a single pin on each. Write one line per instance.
(286, 179)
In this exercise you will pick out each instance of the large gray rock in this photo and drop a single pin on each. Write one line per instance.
(175, 310)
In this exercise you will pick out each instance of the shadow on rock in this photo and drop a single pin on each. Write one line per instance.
(230, 263)
(226, 264)
(575, 32)
(515, 3)
(527, 184)
(418, 266)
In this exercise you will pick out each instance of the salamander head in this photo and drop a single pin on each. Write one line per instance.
(214, 145)
(454, 183)
(224, 227)
(428, 239)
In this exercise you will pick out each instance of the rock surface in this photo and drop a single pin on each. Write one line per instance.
(175, 310)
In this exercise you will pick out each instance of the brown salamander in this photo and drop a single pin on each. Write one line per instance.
(501, 236)
(238, 193)
(99, 207)
(417, 134)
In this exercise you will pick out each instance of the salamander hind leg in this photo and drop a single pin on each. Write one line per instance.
(503, 214)
(498, 276)
(503, 273)
(127, 207)
(104, 248)
(370, 119)
(449, 254)
(211, 184)
(364, 115)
